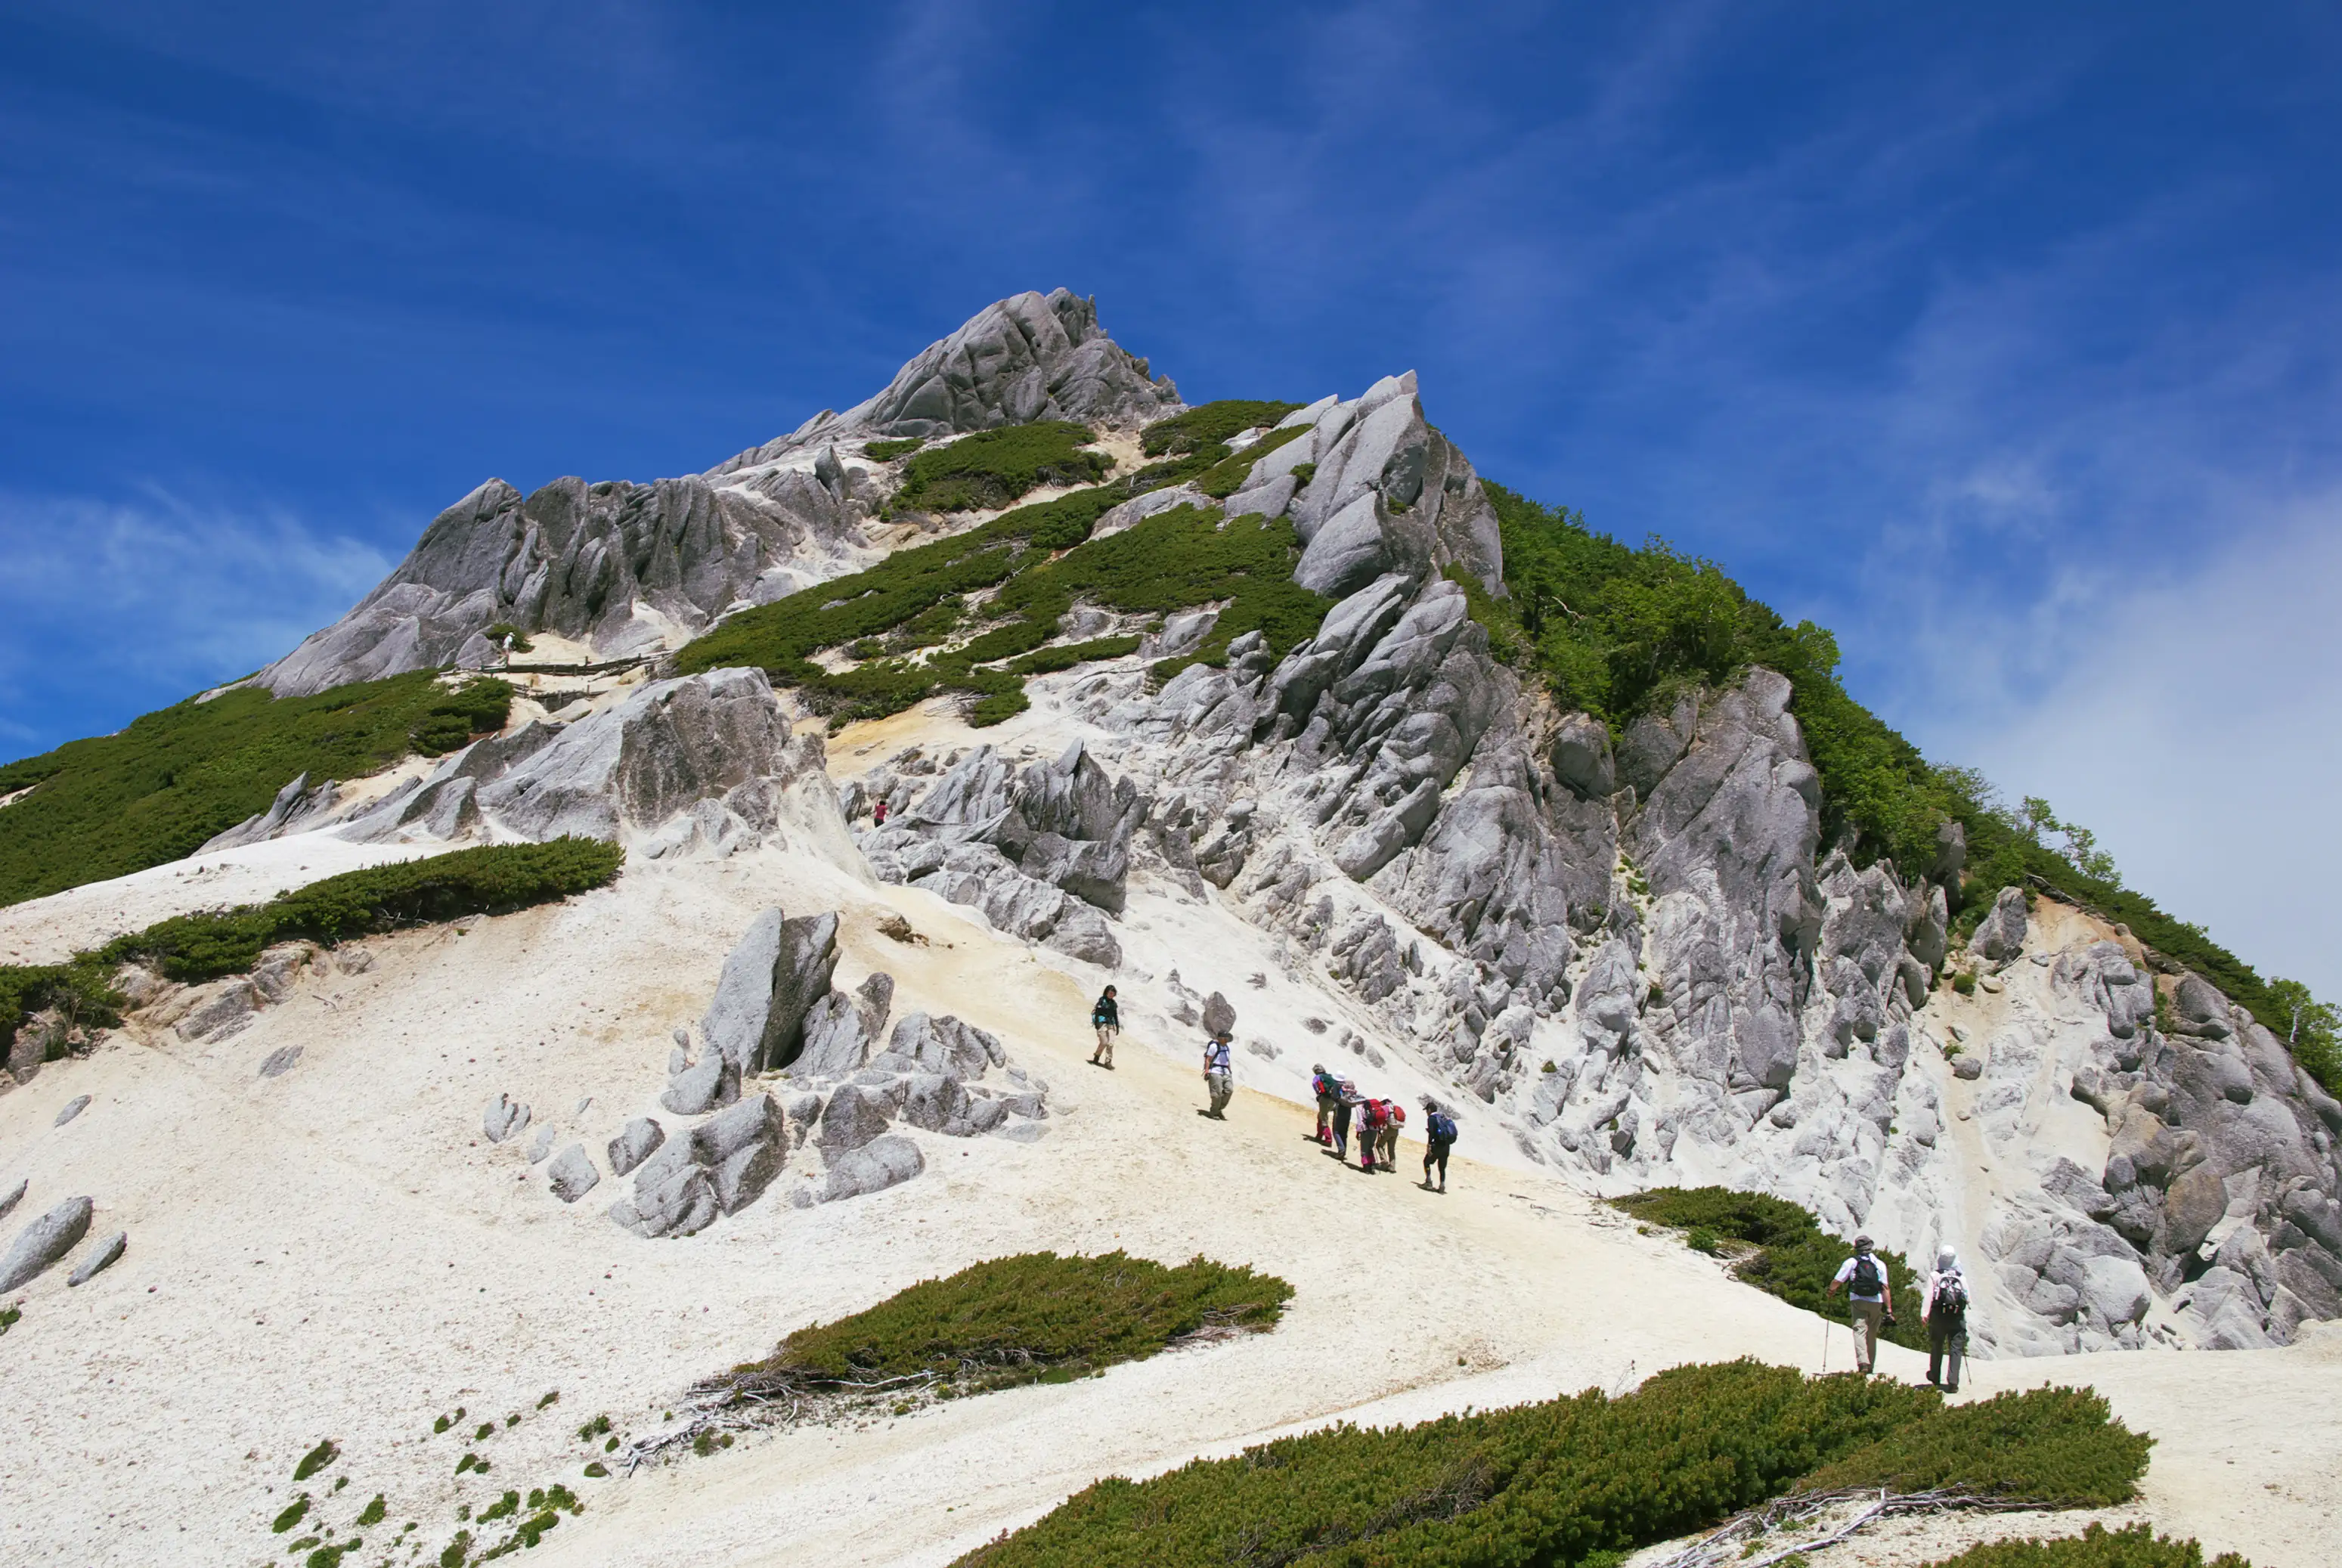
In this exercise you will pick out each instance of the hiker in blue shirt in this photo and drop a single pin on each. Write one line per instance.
(1439, 1137)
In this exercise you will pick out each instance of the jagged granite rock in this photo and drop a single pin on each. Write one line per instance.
(12, 1197)
(543, 1147)
(854, 1115)
(1029, 358)
(637, 1141)
(279, 1062)
(227, 1012)
(698, 1089)
(774, 977)
(73, 1107)
(725, 1164)
(99, 1258)
(572, 1175)
(873, 1168)
(1219, 1014)
(298, 806)
(2001, 935)
(842, 1028)
(700, 763)
(505, 1118)
(44, 1242)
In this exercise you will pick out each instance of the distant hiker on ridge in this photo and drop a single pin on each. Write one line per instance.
(1219, 1075)
(1870, 1301)
(1945, 1310)
(878, 814)
(1105, 1018)
(1439, 1137)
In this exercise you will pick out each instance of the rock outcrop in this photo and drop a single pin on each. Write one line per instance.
(774, 978)
(44, 1242)
(623, 570)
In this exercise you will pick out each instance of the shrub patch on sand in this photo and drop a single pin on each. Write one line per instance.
(1784, 1249)
(1563, 1481)
(116, 804)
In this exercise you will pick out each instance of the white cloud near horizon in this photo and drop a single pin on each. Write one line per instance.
(155, 590)
(2194, 721)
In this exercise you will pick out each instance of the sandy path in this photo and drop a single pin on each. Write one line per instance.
(337, 1252)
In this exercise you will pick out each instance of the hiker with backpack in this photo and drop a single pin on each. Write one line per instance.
(1439, 1137)
(1105, 1018)
(1870, 1301)
(1328, 1090)
(1219, 1075)
(1945, 1311)
(1386, 1148)
(1372, 1119)
(1346, 1101)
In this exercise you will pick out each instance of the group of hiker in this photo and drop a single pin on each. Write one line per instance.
(1342, 1109)
(1870, 1301)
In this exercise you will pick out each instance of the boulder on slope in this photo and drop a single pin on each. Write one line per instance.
(45, 1241)
(772, 980)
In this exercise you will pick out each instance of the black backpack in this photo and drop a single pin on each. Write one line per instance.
(1866, 1276)
(1950, 1305)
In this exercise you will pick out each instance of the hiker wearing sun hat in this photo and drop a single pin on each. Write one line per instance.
(1870, 1301)
(1945, 1311)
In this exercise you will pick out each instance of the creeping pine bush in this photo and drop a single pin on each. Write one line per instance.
(492, 879)
(1036, 563)
(887, 450)
(993, 467)
(2137, 1546)
(1796, 1260)
(1209, 424)
(1029, 1318)
(116, 804)
(2054, 1446)
(1568, 1482)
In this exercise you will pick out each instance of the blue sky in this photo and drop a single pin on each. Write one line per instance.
(2006, 342)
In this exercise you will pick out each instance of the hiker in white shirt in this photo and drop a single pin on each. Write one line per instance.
(1870, 1300)
(1219, 1075)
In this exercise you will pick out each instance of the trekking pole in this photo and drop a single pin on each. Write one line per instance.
(1824, 1347)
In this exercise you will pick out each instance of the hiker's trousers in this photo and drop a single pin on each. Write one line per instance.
(1946, 1344)
(1341, 1131)
(1223, 1089)
(1435, 1153)
(1864, 1317)
(1107, 1032)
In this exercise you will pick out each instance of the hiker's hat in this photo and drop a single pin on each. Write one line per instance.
(1862, 1243)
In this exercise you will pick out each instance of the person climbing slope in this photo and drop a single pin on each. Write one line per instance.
(1328, 1090)
(1105, 1018)
(1219, 1075)
(878, 813)
(1371, 1119)
(1945, 1310)
(1870, 1301)
(1439, 1137)
(1386, 1146)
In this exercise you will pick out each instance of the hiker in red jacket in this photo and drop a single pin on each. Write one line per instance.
(1373, 1116)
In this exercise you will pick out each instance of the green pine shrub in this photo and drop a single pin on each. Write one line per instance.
(887, 450)
(1225, 477)
(1572, 1481)
(116, 804)
(993, 467)
(2058, 1447)
(492, 879)
(316, 1459)
(1034, 1317)
(1549, 1482)
(1209, 424)
(2139, 1546)
(1796, 1259)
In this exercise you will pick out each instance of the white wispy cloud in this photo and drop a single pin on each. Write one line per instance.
(159, 587)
